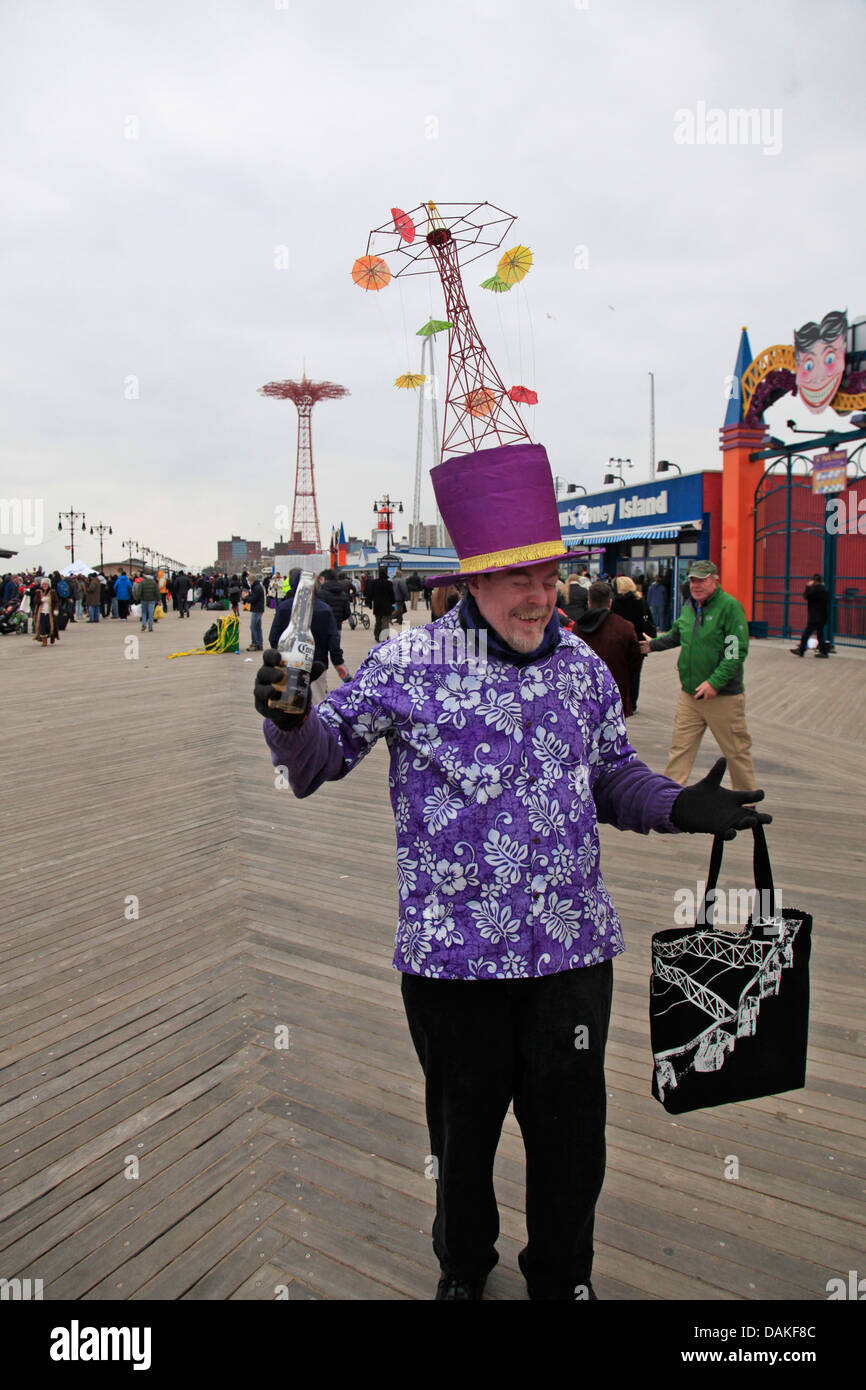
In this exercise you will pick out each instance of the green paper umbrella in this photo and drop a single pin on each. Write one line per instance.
(433, 326)
(496, 284)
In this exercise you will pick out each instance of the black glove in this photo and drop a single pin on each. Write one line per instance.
(709, 808)
(269, 675)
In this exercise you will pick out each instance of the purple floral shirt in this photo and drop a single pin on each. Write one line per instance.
(499, 776)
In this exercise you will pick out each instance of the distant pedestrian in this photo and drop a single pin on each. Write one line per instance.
(123, 594)
(401, 594)
(613, 639)
(817, 599)
(382, 600)
(630, 604)
(713, 636)
(257, 608)
(234, 592)
(415, 585)
(46, 623)
(148, 596)
(657, 599)
(92, 593)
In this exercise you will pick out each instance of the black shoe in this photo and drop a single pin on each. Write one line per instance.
(825, 655)
(795, 651)
(449, 1288)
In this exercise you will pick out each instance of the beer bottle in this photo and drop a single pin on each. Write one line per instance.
(297, 649)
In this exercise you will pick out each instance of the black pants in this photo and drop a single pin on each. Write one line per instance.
(818, 629)
(540, 1043)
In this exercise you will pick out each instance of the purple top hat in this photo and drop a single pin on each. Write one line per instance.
(499, 506)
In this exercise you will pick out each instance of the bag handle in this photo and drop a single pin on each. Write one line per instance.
(763, 873)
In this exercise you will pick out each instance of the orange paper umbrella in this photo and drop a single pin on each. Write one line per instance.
(514, 264)
(409, 380)
(480, 402)
(522, 395)
(371, 273)
(403, 224)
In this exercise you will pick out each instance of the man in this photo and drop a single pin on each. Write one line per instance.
(257, 608)
(613, 639)
(382, 600)
(333, 592)
(325, 636)
(401, 594)
(817, 602)
(92, 591)
(179, 592)
(713, 636)
(657, 598)
(147, 594)
(500, 772)
(123, 594)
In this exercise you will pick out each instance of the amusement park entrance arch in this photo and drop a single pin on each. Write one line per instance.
(798, 533)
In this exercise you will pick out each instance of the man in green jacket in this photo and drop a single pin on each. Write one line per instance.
(713, 636)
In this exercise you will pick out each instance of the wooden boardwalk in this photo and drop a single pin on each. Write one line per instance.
(166, 909)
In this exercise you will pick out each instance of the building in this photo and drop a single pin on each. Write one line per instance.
(237, 554)
(652, 528)
(422, 536)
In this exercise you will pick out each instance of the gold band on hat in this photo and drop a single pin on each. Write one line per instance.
(519, 555)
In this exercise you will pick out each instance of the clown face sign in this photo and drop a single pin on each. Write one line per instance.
(819, 354)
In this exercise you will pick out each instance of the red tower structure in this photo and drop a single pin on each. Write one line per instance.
(478, 410)
(305, 394)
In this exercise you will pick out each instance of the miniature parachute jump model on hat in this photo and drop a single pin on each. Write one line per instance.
(492, 484)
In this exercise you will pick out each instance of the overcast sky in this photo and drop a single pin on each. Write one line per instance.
(157, 156)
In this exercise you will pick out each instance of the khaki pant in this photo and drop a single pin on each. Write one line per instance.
(725, 717)
(319, 688)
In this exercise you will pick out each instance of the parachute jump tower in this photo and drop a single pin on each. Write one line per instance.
(305, 394)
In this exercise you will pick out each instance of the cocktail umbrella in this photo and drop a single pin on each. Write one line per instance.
(522, 395)
(403, 224)
(371, 273)
(480, 402)
(409, 380)
(433, 326)
(496, 284)
(514, 264)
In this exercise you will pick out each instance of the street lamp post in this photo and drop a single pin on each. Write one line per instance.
(70, 519)
(130, 545)
(100, 530)
(387, 506)
(617, 477)
(569, 487)
(664, 465)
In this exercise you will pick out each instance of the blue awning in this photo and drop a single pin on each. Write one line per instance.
(636, 533)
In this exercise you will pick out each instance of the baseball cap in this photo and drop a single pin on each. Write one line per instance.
(702, 569)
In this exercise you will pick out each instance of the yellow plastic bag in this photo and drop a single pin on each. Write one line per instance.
(158, 612)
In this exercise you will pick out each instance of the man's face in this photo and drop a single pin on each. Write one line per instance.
(702, 589)
(518, 603)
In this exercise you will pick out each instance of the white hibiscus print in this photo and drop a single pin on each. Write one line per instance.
(481, 783)
(426, 855)
(440, 921)
(457, 694)
(563, 864)
(425, 739)
(480, 966)
(532, 683)
(453, 878)
(401, 812)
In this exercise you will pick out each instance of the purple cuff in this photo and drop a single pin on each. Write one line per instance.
(632, 797)
(311, 753)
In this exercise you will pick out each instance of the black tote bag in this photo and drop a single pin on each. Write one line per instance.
(729, 1010)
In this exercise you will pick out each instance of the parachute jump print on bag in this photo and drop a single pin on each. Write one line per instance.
(729, 1011)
